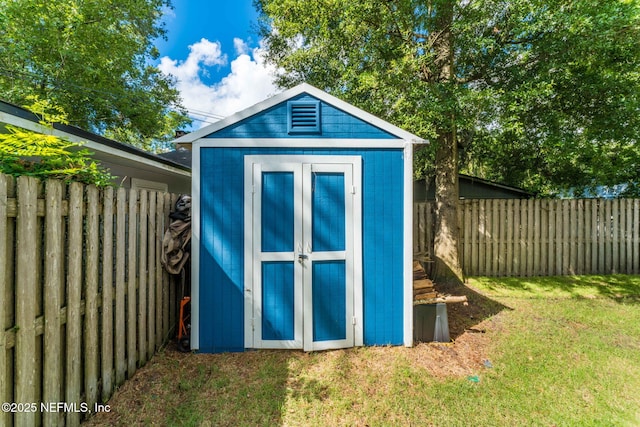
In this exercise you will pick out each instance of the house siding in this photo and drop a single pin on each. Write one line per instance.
(222, 231)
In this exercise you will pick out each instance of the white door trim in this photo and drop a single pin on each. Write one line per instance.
(253, 167)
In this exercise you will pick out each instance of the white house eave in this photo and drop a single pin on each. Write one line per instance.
(124, 158)
(291, 93)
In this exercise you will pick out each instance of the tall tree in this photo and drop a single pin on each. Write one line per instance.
(476, 78)
(91, 58)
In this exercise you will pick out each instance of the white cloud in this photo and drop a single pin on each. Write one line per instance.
(249, 81)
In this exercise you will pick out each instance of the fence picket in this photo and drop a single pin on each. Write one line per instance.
(142, 279)
(120, 310)
(132, 249)
(52, 284)
(628, 227)
(158, 272)
(509, 237)
(107, 296)
(151, 271)
(91, 298)
(545, 237)
(636, 236)
(74, 292)
(4, 243)
(615, 241)
(59, 320)
(25, 289)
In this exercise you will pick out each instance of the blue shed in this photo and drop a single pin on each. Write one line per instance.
(301, 227)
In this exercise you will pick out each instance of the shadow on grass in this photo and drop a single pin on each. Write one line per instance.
(466, 318)
(619, 288)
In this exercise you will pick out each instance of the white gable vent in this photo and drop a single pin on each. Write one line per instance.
(304, 117)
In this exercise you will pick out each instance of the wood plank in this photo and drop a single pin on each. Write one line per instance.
(636, 236)
(92, 266)
(167, 280)
(558, 238)
(158, 242)
(4, 285)
(536, 269)
(571, 233)
(73, 381)
(468, 247)
(120, 312)
(515, 248)
(106, 346)
(132, 300)
(151, 271)
(544, 237)
(608, 248)
(142, 277)
(474, 238)
(628, 262)
(424, 295)
(587, 234)
(25, 291)
(595, 232)
(524, 232)
(495, 236)
(530, 233)
(39, 305)
(551, 224)
(54, 268)
(603, 228)
(485, 249)
(509, 237)
(580, 237)
(421, 284)
(502, 237)
(615, 236)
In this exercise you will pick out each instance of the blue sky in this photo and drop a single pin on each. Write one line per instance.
(215, 54)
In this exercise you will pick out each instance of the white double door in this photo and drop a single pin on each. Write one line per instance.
(303, 246)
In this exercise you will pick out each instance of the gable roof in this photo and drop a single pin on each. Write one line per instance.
(303, 88)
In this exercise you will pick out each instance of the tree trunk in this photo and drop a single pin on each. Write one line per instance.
(447, 236)
(446, 253)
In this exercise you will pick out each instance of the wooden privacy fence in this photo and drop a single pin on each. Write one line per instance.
(84, 299)
(511, 237)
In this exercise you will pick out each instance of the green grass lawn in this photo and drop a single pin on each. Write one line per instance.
(560, 351)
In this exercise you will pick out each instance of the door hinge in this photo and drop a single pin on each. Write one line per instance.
(353, 189)
(353, 320)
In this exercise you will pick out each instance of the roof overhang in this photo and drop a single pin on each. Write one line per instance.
(104, 149)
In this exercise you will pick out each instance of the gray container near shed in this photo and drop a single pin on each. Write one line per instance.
(430, 323)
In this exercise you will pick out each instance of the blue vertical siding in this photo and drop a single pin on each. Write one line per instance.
(222, 244)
